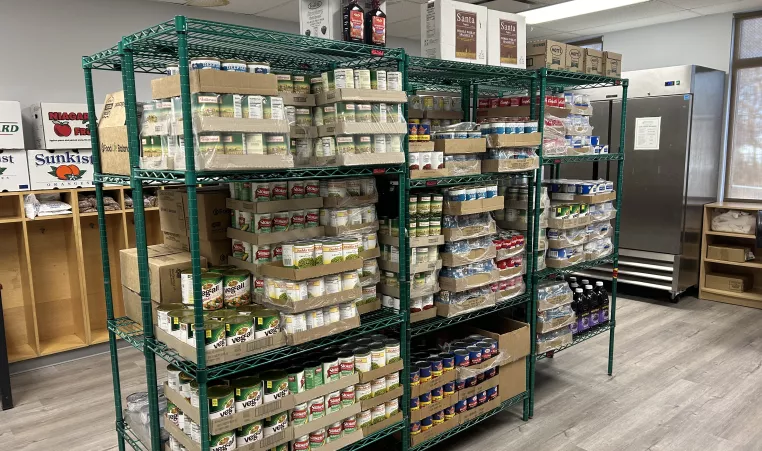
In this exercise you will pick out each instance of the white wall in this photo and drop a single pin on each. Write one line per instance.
(44, 41)
(704, 41)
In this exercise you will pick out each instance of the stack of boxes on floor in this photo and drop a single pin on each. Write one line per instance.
(460, 376)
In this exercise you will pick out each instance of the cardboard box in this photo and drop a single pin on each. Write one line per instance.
(60, 125)
(11, 128)
(323, 19)
(510, 165)
(133, 305)
(550, 54)
(575, 58)
(454, 31)
(729, 282)
(164, 266)
(729, 253)
(423, 387)
(439, 429)
(276, 269)
(386, 397)
(112, 135)
(217, 81)
(583, 198)
(216, 252)
(514, 140)
(360, 95)
(414, 147)
(513, 379)
(473, 206)
(464, 233)
(363, 128)
(362, 159)
(612, 64)
(512, 336)
(423, 315)
(460, 146)
(481, 410)
(14, 169)
(51, 169)
(371, 375)
(213, 214)
(296, 99)
(415, 268)
(593, 62)
(472, 391)
(506, 40)
(367, 307)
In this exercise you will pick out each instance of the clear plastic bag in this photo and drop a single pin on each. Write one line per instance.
(554, 339)
(553, 294)
(555, 318)
(733, 221)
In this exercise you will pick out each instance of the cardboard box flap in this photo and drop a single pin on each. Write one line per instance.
(114, 114)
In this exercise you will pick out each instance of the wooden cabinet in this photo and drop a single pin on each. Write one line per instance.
(52, 275)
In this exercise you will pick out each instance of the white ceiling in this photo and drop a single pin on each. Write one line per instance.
(404, 15)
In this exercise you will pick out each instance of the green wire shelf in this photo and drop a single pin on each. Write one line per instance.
(550, 272)
(424, 327)
(583, 158)
(128, 330)
(578, 339)
(370, 322)
(458, 429)
(376, 436)
(575, 80)
(454, 180)
(125, 432)
(424, 72)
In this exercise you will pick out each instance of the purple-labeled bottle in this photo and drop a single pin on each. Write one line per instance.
(603, 302)
(577, 307)
(594, 308)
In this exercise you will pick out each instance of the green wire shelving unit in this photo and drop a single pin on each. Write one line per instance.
(556, 81)
(150, 51)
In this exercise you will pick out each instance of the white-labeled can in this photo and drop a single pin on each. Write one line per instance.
(391, 407)
(295, 322)
(349, 280)
(291, 114)
(332, 284)
(394, 143)
(337, 188)
(316, 287)
(343, 79)
(394, 81)
(254, 143)
(379, 144)
(362, 79)
(392, 380)
(331, 314)
(355, 216)
(414, 160)
(314, 318)
(370, 241)
(253, 107)
(339, 217)
(369, 267)
(437, 160)
(387, 301)
(347, 310)
(363, 390)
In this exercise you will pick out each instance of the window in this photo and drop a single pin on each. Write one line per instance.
(744, 179)
(592, 43)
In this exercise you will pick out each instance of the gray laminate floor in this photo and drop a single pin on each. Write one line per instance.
(686, 377)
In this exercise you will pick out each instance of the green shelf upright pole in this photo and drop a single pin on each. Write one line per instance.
(465, 96)
(95, 147)
(619, 183)
(133, 144)
(531, 244)
(403, 276)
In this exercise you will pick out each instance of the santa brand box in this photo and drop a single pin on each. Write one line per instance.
(60, 125)
(14, 174)
(454, 31)
(11, 131)
(506, 40)
(50, 169)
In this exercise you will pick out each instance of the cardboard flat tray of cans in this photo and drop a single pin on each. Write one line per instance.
(360, 95)
(473, 304)
(225, 353)
(520, 111)
(297, 99)
(367, 307)
(414, 268)
(414, 293)
(460, 146)
(569, 223)
(421, 146)
(303, 132)
(221, 82)
(421, 241)
(359, 159)
(463, 233)
(510, 165)
(584, 198)
(423, 315)
(435, 406)
(362, 128)
(260, 239)
(291, 306)
(473, 206)
(350, 201)
(514, 140)
(476, 255)
(368, 227)
(275, 206)
(565, 262)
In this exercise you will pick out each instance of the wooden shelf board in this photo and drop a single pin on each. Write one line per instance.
(732, 235)
(95, 213)
(711, 296)
(131, 210)
(754, 294)
(736, 206)
(12, 193)
(11, 220)
(20, 352)
(61, 344)
(46, 218)
(749, 264)
(99, 336)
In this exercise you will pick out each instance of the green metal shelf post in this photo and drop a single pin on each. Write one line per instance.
(133, 144)
(95, 147)
(403, 277)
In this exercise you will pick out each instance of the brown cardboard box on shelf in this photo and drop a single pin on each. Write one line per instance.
(512, 336)
(213, 215)
(133, 306)
(612, 64)
(482, 409)
(275, 205)
(164, 265)
(327, 300)
(225, 353)
(112, 135)
(473, 206)
(477, 303)
(513, 379)
(435, 430)
(728, 253)
(423, 315)
(593, 62)
(460, 146)
(216, 252)
(550, 54)
(276, 269)
(575, 58)
(275, 237)
(729, 282)
(220, 82)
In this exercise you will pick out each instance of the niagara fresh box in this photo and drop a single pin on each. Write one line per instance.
(60, 125)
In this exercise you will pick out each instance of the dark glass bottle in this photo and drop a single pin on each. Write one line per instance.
(603, 302)
(375, 25)
(575, 308)
(594, 308)
(578, 305)
(584, 317)
(354, 22)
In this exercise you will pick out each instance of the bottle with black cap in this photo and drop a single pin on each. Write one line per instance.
(603, 302)
(594, 307)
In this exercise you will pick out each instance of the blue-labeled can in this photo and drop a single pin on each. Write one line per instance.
(437, 417)
(448, 361)
(449, 413)
(595, 140)
(414, 403)
(415, 427)
(474, 355)
(481, 397)
(480, 378)
(471, 381)
(461, 135)
(461, 357)
(493, 344)
(436, 366)
(497, 128)
(486, 350)
(415, 377)
(424, 371)
(461, 406)
(424, 399)
(448, 389)
(491, 393)
(424, 129)
(472, 402)
(473, 338)
(474, 134)
(490, 373)
(426, 424)
(460, 384)
(436, 394)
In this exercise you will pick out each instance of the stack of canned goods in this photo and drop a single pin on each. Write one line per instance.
(421, 303)
(312, 319)
(272, 191)
(419, 131)
(507, 126)
(426, 160)
(457, 131)
(350, 216)
(470, 192)
(424, 215)
(375, 79)
(221, 286)
(435, 103)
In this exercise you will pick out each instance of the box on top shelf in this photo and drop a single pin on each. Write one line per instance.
(217, 81)
(550, 54)
(612, 64)
(322, 19)
(11, 128)
(506, 40)
(593, 62)
(60, 125)
(14, 173)
(213, 214)
(454, 31)
(575, 58)
(51, 169)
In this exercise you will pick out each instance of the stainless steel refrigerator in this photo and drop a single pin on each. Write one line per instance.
(670, 170)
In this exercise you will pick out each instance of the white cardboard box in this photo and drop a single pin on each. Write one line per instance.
(50, 169)
(60, 125)
(454, 31)
(323, 18)
(11, 130)
(14, 173)
(506, 40)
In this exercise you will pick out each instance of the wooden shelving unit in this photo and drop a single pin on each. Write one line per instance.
(750, 298)
(52, 275)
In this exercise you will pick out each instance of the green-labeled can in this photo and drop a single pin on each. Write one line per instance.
(232, 143)
(151, 146)
(301, 84)
(231, 105)
(296, 379)
(313, 375)
(345, 112)
(329, 114)
(210, 143)
(285, 83)
(214, 335)
(224, 441)
(268, 323)
(277, 144)
(435, 227)
(275, 424)
(238, 329)
(237, 287)
(304, 116)
(363, 144)
(364, 113)
(276, 385)
(221, 402)
(247, 392)
(205, 104)
(249, 433)
(345, 144)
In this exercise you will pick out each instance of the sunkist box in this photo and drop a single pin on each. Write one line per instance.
(550, 54)
(323, 18)
(506, 40)
(51, 169)
(593, 62)
(454, 31)
(60, 125)
(11, 130)
(14, 173)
